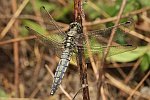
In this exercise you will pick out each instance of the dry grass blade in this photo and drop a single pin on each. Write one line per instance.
(10, 23)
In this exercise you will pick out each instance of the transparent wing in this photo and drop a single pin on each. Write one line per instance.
(50, 24)
(56, 46)
(103, 35)
(98, 39)
(112, 51)
(54, 40)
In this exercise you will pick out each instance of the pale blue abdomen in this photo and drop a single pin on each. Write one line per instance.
(61, 68)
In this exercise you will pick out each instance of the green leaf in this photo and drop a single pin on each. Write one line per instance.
(48, 6)
(34, 26)
(144, 3)
(145, 63)
(131, 55)
(3, 94)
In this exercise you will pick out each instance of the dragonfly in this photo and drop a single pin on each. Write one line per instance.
(65, 44)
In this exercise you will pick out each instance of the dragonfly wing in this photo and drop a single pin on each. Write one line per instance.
(98, 39)
(56, 46)
(55, 39)
(50, 23)
(104, 35)
(113, 50)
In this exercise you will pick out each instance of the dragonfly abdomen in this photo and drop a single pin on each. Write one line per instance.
(69, 45)
(61, 68)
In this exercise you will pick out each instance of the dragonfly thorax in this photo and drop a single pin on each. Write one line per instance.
(74, 26)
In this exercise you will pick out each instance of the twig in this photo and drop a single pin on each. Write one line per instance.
(80, 55)
(146, 76)
(122, 86)
(38, 54)
(79, 91)
(110, 19)
(17, 40)
(140, 36)
(107, 48)
(16, 50)
(113, 31)
(128, 78)
(91, 56)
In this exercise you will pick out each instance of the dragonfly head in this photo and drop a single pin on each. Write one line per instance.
(74, 26)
